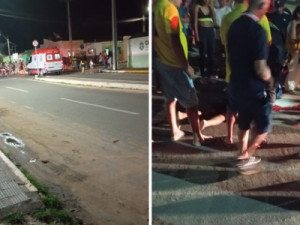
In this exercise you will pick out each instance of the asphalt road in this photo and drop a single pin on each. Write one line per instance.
(120, 114)
(91, 142)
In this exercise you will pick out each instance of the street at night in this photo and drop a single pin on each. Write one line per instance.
(92, 142)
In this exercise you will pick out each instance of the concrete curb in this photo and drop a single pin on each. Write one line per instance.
(126, 71)
(18, 173)
(145, 71)
(107, 84)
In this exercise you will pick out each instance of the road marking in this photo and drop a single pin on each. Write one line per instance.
(101, 106)
(28, 107)
(16, 89)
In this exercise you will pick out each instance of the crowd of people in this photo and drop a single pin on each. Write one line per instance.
(18, 67)
(105, 61)
(260, 40)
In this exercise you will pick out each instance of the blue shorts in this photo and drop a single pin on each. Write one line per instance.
(177, 84)
(259, 111)
(232, 105)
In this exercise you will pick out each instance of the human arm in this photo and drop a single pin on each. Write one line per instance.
(263, 71)
(179, 52)
(214, 17)
(294, 25)
(223, 31)
(196, 10)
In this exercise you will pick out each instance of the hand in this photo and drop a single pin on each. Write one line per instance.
(190, 71)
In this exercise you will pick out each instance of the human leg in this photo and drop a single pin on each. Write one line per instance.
(292, 75)
(230, 121)
(171, 116)
(211, 52)
(183, 115)
(231, 114)
(243, 141)
(177, 84)
(254, 146)
(203, 50)
(194, 121)
(216, 120)
(261, 114)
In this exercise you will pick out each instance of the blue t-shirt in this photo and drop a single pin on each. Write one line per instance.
(247, 42)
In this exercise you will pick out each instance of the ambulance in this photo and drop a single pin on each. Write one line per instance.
(45, 60)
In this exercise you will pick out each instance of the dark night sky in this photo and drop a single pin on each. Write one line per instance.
(26, 20)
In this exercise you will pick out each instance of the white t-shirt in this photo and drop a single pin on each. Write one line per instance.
(220, 13)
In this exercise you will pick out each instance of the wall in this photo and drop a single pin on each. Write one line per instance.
(138, 52)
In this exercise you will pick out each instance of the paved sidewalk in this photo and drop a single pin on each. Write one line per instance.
(201, 185)
(16, 193)
(124, 79)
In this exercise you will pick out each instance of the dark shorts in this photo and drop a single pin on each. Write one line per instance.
(232, 105)
(259, 112)
(177, 84)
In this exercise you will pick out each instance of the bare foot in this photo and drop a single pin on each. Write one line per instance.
(183, 115)
(179, 134)
(204, 137)
(228, 141)
(198, 142)
(243, 155)
(202, 124)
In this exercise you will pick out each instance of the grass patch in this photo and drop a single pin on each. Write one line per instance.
(16, 218)
(52, 201)
(41, 188)
(51, 215)
(53, 212)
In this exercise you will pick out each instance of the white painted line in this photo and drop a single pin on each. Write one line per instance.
(28, 107)
(17, 89)
(101, 106)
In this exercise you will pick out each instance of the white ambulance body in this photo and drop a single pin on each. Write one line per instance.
(45, 60)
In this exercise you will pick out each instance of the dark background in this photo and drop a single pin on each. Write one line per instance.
(25, 20)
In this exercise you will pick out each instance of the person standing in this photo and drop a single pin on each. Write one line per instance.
(240, 6)
(250, 78)
(279, 19)
(185, 17)
(82, 65)
(174, 71)
(293, 43)
(91, 66)
(104, 58)
(204, 22)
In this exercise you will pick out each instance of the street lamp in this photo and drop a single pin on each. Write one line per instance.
(114, 34)
(8, 47)
(69, 26)
(144, 19)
